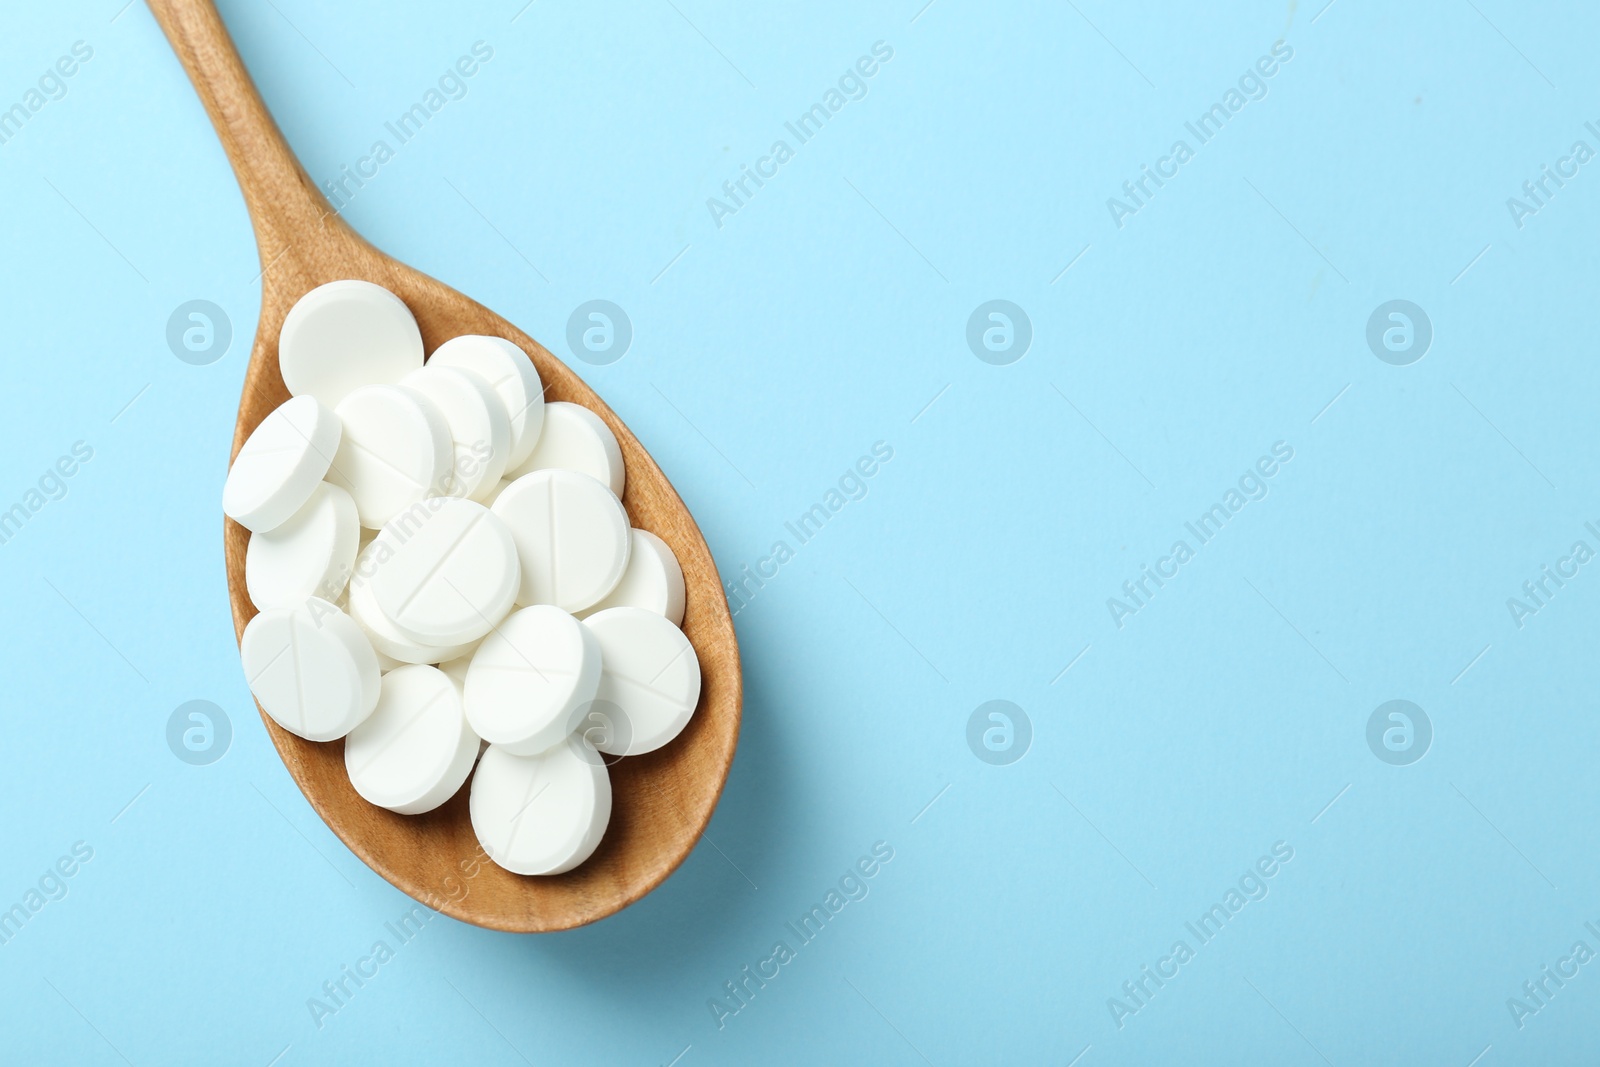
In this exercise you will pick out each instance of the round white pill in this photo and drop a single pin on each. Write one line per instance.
(346, 334)
(576, 439)
(380, 630)
(280, 464)
(415, 749)
(530, 679)
(511, 374)
(395, 451)
(311, 668)
(480, 429)
(650, 672)
(541, 814)
(571, 535)
(310, 555)
(452, 573)
(653, 580)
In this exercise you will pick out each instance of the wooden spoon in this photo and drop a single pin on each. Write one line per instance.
(663, 800)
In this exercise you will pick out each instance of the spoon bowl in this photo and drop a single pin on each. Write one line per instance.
(662, 800)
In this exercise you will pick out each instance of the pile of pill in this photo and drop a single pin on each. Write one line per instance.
(446, 578)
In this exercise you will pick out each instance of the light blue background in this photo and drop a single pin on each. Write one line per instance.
(772, 353)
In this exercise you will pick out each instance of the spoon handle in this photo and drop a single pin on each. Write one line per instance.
(285, 206)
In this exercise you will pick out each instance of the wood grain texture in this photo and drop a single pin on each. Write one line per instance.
(663, 800)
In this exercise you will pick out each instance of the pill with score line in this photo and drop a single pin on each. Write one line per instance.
(311, 669)
(571, 534)
(451, 572)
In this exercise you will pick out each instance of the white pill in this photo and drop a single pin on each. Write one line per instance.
(451, 573)
(653, 580)
(531, 678)
(650, 672)
(541, 814)
(280, 464)
(346, 334)
(575, 439)
(380, 630)
(310, 555)
(415, 749)
(571, 535)
(513, 377)
(480, 429)
(395, 451)
(311, 668)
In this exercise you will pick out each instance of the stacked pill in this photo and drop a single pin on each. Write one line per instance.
(446, 578)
